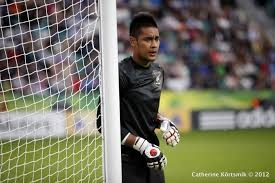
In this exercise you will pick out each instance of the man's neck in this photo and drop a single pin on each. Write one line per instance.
(142, 63)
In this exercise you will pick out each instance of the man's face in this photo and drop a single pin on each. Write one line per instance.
(146, 45)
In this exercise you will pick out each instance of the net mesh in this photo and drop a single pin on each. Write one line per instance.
(49, 90)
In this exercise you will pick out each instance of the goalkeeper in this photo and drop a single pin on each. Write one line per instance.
(141, 81)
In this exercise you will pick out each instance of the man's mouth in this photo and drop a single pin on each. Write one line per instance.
(152, 52)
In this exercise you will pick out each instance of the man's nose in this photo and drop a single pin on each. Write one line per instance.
(154, 43)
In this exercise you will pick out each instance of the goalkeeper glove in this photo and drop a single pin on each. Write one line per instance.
(154, 157)
(170, 132)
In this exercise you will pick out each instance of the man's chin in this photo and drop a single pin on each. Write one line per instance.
(151, 59)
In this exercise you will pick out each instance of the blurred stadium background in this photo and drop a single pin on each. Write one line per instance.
(219, 60)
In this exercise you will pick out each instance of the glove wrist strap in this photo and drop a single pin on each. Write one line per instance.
(140, 144)
(164, 125)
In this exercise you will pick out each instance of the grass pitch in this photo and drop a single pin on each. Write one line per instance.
(69, 160)
(238, 151)
(79, 159)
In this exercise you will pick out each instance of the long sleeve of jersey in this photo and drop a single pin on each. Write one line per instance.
(123, 85)
(123, 82)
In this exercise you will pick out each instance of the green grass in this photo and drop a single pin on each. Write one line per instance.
(78, 101)
(222, 151)
(73, 159)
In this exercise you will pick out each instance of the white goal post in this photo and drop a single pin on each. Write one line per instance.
(58, 58)
(110, 86)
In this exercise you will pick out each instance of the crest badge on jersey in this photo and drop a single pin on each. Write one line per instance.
(158, 79)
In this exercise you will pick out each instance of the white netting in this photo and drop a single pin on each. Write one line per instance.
(49, 90)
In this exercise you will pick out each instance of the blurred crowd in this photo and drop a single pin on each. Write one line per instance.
(52, 46)
(268, 6)
(46, 47)
(205, 44)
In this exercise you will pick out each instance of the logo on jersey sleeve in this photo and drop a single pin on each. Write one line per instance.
(158, 79)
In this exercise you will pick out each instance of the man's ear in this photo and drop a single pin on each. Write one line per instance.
(133, 41)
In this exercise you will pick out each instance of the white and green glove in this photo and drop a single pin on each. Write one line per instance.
(170, 132)
(154, 157)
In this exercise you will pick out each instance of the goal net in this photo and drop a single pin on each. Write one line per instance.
(50, 67)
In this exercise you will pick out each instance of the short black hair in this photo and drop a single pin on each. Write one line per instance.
(140, 20)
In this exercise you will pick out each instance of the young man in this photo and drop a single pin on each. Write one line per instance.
(140, 81)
